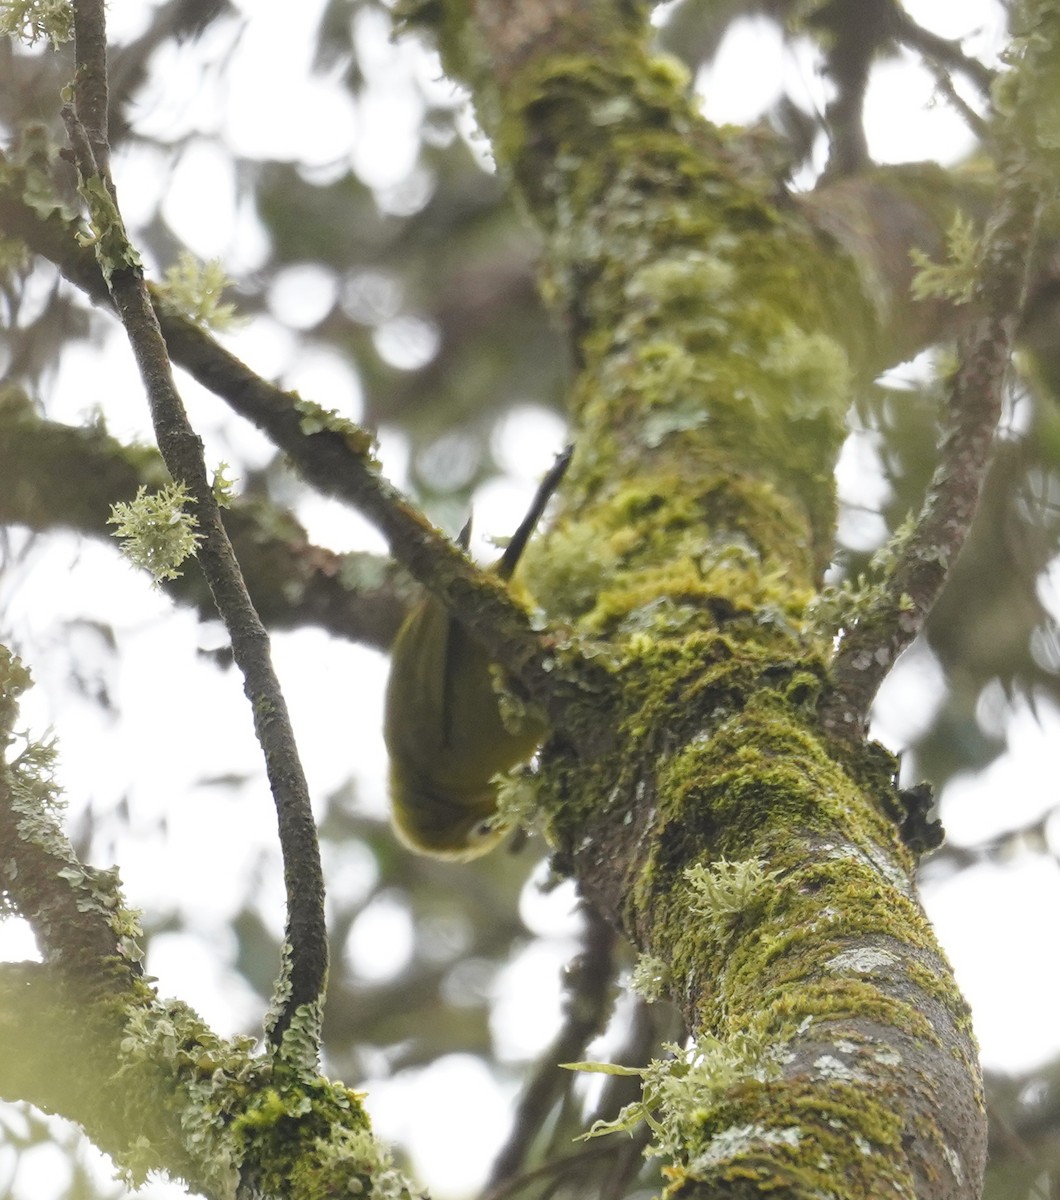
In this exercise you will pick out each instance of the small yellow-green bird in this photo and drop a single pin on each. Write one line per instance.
(442, 722)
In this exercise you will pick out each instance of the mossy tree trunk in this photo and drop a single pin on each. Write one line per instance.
(749, 851)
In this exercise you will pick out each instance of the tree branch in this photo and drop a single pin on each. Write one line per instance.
(305, 971)
(940, 50)
(332, 455)
(589, 991)
(74, 911)
(869, 647)
(56, 476)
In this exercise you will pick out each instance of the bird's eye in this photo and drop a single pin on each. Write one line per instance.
(481, 830)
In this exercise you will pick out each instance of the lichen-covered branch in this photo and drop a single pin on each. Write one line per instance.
(86, 1037)
(926, 552)
(75, 913)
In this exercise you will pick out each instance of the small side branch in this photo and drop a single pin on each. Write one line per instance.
(306, 969)
(869, 647)
(940, 51)
(335, 457)
(76, 913)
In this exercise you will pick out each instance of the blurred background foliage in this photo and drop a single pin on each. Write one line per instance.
(379, 266)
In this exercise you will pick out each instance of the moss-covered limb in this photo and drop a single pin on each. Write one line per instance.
(718, 351)
(60, 1050)
(715, 338)
(835, 1049)
(84, 1035)
(55, 476)
(64, 1053)
(719, 346)
(154, 1088)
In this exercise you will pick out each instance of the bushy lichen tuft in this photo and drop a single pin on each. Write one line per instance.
(194, 290)
(679, 1092)
(650, 978)
(727, 889)
(31, 20)
(156, 531)
(517, 802)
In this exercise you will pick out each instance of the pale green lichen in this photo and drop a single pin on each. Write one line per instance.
(650, 978)
(223, 486)
(517, 802)
(300, 1044)
(679, 1092)
(280, 1000)
(813, 370)
(30, 20)
(194, 290)
(317, 419)
(693, 278)
(742, 1140)
(828, 1066)
(862, 960)
(35, 797)
(374, 1160)
(156, 531)
(838, 607)
(727, 889)
(107, 236)
(213, 1078)
(956, 278)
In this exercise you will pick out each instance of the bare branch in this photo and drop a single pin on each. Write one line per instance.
(589, 981)
(306, 968)
(941, 51)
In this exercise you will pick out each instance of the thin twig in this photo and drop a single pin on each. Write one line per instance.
(589, 987)
(306, 966)
(556, 1166)
(868, 649)
(971, 118)
(335, 462)
(941, 50)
